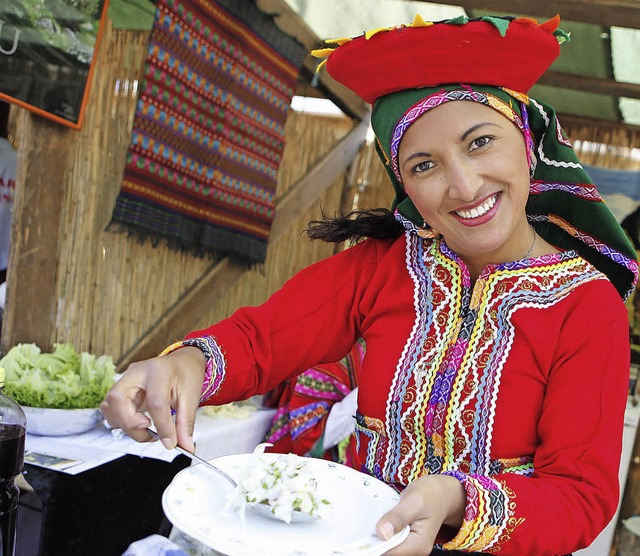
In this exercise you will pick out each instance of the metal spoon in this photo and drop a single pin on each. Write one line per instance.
(197, 459)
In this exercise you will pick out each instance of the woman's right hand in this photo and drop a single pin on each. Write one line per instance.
(157, 386)
(425, 505)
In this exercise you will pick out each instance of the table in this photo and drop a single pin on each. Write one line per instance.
(102, 510)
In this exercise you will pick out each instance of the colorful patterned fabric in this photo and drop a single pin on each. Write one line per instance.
(208, 134)
(442, 96)
(304, 403)
(214, 367)
(439, 376)
(435, 386)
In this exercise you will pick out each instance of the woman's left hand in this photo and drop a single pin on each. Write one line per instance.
(425, 505)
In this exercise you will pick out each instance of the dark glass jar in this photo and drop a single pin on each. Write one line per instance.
(13, 427)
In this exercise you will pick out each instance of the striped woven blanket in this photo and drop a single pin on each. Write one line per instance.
(208, 133)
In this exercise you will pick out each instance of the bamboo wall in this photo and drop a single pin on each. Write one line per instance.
(110, 288)
(615, 149)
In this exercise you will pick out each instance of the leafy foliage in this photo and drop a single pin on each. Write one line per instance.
(64, 379)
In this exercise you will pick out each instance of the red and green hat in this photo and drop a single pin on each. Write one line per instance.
(500, 51)
(407, 70)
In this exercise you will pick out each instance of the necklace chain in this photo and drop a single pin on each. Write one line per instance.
(533, 243)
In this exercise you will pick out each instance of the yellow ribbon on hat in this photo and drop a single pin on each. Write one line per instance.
(324, 53)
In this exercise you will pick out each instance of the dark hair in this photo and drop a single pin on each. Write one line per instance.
(631, 225)
(358, 224)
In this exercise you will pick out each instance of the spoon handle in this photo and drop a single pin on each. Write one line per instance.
(197, 459)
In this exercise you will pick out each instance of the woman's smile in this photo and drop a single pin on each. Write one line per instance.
(480, 213)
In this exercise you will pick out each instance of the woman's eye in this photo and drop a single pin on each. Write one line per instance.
(480, 142)
(422, 167)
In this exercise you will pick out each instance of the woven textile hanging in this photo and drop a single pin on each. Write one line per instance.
(208, 133)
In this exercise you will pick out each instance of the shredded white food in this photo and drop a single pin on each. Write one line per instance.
(284, 484)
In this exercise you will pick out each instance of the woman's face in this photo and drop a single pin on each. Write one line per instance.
(464, 166)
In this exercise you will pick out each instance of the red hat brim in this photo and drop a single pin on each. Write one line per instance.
(427, 56)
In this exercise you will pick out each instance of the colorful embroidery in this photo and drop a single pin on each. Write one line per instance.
(304, 403)
(559, 135)
(376, 444)
(441, 406)
(488, 516)
(583, 190)
(313, 384)
(215, 369)
(298, 421)
(519, 466)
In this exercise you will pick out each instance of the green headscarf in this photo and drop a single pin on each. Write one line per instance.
(564, 205)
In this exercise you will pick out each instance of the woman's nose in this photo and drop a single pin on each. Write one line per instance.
(463, 180)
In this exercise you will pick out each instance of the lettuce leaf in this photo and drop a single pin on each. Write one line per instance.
(64, 379)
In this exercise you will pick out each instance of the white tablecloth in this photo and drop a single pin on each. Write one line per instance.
(214, 437)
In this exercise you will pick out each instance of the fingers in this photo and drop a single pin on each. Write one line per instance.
(185, 422)
(122, 408)
(420, 541)
(159, 406)
(158, 386)
(419, 509)
(186, 407)
(142, 388)
(188, 399)
(407, 510)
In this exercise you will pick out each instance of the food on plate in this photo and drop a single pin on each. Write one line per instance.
(282, 483)
(64, 379)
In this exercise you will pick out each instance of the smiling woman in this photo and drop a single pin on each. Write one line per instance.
(490, 299)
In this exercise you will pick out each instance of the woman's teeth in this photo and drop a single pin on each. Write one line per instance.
(479, 210)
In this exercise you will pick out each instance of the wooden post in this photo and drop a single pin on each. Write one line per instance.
(30, 308)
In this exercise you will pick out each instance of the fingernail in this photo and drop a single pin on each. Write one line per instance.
(168, 443)
(386, 531)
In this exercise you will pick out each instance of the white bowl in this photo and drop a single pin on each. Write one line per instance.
(60, 422)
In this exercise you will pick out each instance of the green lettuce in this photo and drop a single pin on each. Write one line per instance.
(64, 379)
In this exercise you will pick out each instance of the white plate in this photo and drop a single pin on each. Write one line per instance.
(194, 502)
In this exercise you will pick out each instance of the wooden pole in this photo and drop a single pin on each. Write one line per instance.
(30, 308)
(619, 13)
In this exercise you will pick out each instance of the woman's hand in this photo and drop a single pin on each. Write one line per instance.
(425, 505)
(157, 386)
